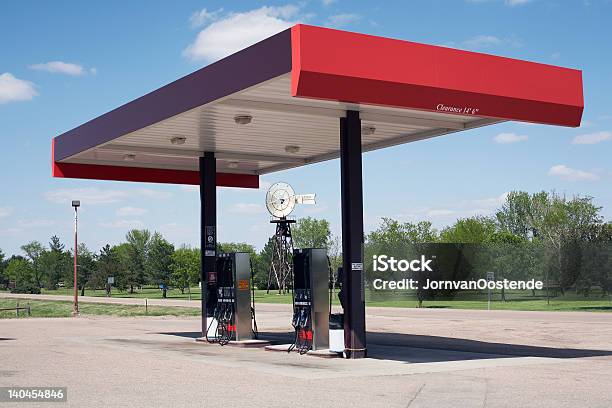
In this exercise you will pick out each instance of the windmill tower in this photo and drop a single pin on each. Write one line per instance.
(280, 201)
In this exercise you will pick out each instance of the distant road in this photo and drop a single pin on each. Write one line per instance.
(107, 300)
(127, 301)
(372, 312)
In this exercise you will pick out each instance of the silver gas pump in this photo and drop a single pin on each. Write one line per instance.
(233, 316)
(310, 300)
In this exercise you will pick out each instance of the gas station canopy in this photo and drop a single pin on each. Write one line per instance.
(276, 105)
(302, 96)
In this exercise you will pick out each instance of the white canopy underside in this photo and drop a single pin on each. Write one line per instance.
(278, 120)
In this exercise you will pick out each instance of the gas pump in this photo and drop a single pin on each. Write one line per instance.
(233, 316)
(310, 300)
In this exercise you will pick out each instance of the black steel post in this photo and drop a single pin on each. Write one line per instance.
(352, 235)
(208, 228)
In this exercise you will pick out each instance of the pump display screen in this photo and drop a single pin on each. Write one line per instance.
(301, 270)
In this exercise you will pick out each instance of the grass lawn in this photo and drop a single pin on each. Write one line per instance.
(527, 305)
(155, 293)
(146, 292)
(43, 308)
(516, 301)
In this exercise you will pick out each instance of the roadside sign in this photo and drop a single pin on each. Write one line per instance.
(490, 276)
(111, 280)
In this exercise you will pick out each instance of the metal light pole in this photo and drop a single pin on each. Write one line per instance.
(76, 204)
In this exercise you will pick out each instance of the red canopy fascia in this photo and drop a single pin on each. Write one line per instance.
(350, 67)
(145, 174)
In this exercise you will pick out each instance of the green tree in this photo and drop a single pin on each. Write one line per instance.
(185, 268)
(515, 214)
(159, 262)
(228, 247)
(107, 264)
(399, 240)
(562, 225)
(124, 278)
(34, 251)
(334, 251)
(21, 272)
(86, 266)
(56, 262)
(262, 268)
(138, 242)
(310, 232)
(3, 278)
(472, 230)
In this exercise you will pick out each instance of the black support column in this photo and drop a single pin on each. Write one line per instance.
(352, 235)
(208, 228)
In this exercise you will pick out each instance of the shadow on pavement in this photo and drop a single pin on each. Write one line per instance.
(414, 348)
(400, 340)
(272, 337)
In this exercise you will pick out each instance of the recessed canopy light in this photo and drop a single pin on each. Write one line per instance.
(178, 140)
(243, 119)
(368, 130)
(232, 165)
(129, 157)
(292, 149)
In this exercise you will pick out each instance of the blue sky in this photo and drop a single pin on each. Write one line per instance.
(65, 62)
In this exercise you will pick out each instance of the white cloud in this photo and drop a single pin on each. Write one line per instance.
(482, 41)
(567, 173)
(5, 211)
(123, 224)
(199, 18)
(94, 196)
(509, 3)
(340, 20)
(131, 211)
(461, 208)
(59, 67)
(505, 138)
(328, 2)
(14, 89)
(314, 209)
(236, 31)
(11, 231)
(592, 138)
(513, 3)
(36, 223)
(439, 213)
(247, 208)
(491, 202)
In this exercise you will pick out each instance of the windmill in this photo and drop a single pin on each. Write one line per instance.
(280, 201)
